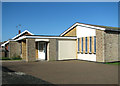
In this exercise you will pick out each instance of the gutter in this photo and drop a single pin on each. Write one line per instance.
(6, 42)
(41, 37)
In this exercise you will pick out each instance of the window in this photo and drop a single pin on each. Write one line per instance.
(85, 44)
(94, 44)
(82, 44)
(90, 44)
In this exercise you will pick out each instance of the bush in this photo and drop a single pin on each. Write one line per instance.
(113, 63)
(16, 58)
(12, 58)
(4, 58)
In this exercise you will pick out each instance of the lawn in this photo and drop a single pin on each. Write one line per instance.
(12, 58)
(115, 63)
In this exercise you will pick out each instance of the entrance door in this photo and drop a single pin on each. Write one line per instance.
(41, 51)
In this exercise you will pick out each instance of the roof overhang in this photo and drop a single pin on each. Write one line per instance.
(22, 33)
(6, 42)
(43, 37)
(16, 37)
(82, 25)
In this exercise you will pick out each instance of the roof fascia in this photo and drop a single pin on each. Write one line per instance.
(35, 37)
(22, 33)
(6, 42)
(82, 25)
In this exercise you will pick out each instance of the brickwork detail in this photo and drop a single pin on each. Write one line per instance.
(99, 46)
(53, 49)
(119, 47)
(15, 49)
(31, 47)
(111, 46)
(24, 50)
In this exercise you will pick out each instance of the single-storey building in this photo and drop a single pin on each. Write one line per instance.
(80, 41)
(13, 48)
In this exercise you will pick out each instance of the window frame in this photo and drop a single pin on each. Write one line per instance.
(86, 46)
(90, 44)
(94, 44)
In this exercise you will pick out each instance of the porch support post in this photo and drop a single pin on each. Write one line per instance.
(30, 49)
(53, 51)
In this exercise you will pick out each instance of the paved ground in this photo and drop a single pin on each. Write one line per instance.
(68, 72)
(12, 77)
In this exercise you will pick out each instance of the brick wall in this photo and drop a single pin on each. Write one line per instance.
(100, 46)
(24, 50)
(107, 46)
(52, 49)
(2, 53)
(31, 49)
(15, 49)
(119, 46)
(111, 46)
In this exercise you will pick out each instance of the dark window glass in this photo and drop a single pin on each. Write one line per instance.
(94, 44)
(86, 44)
(90, 44)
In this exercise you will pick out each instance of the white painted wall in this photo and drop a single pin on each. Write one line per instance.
(84, 31)
(89, 57)
(66, 49)
(42, 40)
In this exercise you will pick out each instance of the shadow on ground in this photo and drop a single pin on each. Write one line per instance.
(12, 77)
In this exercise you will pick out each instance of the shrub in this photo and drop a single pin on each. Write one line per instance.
(4, 58)
(12, 58)
(113, 63)
(16, 58)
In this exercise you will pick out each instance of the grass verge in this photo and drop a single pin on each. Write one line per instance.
(115, 63)
(12, 58)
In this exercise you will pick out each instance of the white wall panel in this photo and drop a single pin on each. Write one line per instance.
(89, 57)
(66, 49)
(84, 32)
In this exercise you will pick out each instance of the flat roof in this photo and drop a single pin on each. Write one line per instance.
(44, 37)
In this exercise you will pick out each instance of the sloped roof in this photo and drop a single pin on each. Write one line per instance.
(100, 27)
(107, 27)
(22, 34)
(26, 31)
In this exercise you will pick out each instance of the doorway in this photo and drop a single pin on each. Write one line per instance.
(42, 48)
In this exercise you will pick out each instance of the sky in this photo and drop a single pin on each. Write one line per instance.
(52, 18)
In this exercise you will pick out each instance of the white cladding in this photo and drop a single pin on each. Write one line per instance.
(66, 49)
(88, 57)
(85, 32)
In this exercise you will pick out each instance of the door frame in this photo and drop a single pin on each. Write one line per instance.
(45, 45)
